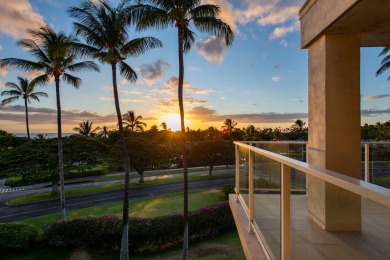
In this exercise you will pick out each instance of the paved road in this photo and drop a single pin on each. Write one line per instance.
(15, 213)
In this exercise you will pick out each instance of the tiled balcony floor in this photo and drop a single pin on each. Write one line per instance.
(309, 241)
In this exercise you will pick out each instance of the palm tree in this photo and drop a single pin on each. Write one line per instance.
(132, 122)
(106, 29)
(85, 129)
(385, 64)
(55, 55)
(164, 125)
(41, 136)
(298, 124)
(104, 132)
(24, 90)
(229, 125)
(182, 14)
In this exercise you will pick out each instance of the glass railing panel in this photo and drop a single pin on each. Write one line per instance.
(379, 164)
(244, 173)
(267, 202)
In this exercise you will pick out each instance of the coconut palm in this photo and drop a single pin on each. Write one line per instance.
(298, 124)
(385, 64)
(164, 125)
(55, 55)
(104, 132)
(229, 125)
(85, 129)
(105, 28)
(182, 14)
(24, 90)
(132, 122)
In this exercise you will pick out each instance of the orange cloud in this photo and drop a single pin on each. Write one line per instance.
(17, 17)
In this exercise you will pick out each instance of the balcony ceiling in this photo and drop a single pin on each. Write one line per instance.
(369, 17)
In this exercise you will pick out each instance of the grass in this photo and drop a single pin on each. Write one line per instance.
(226, 246)
(156, 173)
(147, 207)
(108, 187)
(385, 180)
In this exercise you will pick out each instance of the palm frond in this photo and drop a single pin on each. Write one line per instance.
(215, 27)
(127, 72)
(12, 93)
(41, 80)
(13, 86)
(9, 100)
(140, 45)
(205, 11)
(72, 80)
(22, 64)
(188, 39)
(83, 66)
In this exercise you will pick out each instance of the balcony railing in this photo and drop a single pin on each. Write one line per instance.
(280, 167)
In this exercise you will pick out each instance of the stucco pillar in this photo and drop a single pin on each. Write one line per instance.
(334, 128)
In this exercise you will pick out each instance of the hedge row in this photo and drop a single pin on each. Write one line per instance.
(17, 236)
(150, 234)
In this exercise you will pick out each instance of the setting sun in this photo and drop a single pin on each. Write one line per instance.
(173, 122)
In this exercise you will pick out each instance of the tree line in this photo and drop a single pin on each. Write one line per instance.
(105, 30)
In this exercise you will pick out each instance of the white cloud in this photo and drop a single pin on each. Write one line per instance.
(276, 78)
(376, 97)
(300, 100)
(279, 32)
(17, 17)
(280, 13)
(1, 47)
(213, 49)
(153, 72)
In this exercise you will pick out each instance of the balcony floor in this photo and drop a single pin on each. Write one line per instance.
(309, 241)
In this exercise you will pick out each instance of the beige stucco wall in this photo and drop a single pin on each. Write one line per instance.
(334, 134)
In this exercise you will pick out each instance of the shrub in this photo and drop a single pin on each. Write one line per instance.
(17, 236)
(95, 232)
(227, 189)
(149, 234)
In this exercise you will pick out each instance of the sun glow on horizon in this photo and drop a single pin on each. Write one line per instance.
(173, 122)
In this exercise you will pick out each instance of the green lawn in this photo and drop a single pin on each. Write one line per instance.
(147, 207)
(108, 187)
(385, 180)
(156, 173)
(226, 246)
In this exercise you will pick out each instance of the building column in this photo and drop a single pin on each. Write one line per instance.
(334, 129)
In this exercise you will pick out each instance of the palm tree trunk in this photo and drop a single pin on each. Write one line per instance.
(184, 144)
(124, 255)
(60, 152)
(28, 130)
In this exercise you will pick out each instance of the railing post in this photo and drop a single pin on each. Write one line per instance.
(237, 171)
(251, 190)
(285, 212)
(367, 162)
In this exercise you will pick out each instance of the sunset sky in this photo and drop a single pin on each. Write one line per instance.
(261, 80)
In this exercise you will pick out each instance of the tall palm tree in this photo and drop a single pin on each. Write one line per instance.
(24, 90)
(105, 28)
(85, 128)
(182, 14)
(385, 64)
(229, 125)
(133, 122)
(104, 132)
(55, 55)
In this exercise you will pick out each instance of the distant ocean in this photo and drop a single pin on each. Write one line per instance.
(48, 135)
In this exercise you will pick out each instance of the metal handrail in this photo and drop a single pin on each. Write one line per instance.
(362, 188)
